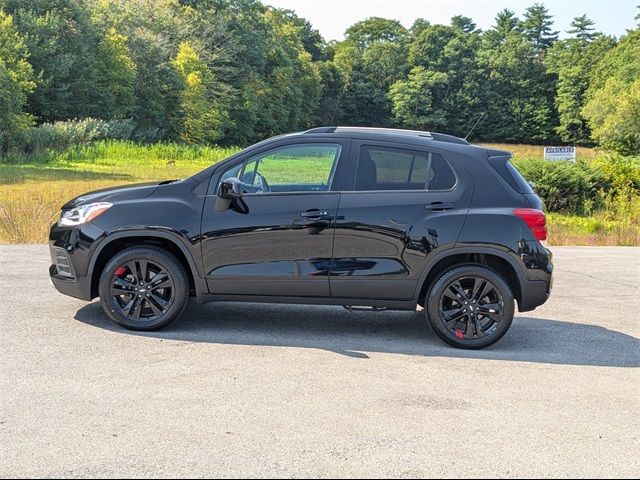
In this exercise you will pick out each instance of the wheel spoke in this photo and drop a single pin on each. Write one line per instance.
(486, 289)
(478, 287)
(479, 330)
(143, 271)
(469, 332)
(491, 308)
(458, 290)
(449, 294)
(156, 307)
(160, 280)
(131, 306)
(133, 268)
(162, 274)
(121, 286)
(137, 310)
(453, 314)
(162, 303)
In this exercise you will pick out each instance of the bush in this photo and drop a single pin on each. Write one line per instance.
(61, 135)
(564, 186)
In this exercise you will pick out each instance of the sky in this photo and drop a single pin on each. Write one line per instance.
(333, 17)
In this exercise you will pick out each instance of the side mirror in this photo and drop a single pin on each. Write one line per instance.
(229, 191)
(231, 188)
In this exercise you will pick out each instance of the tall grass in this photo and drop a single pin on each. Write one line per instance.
(32, 188)
(31, 193)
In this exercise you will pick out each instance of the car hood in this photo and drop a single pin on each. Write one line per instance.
(124, 192)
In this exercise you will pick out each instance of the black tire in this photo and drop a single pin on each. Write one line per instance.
(151, 297)
(479, 322)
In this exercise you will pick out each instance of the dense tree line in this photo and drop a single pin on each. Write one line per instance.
(235, 71)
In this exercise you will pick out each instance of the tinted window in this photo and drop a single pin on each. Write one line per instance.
(510, 173)
(382, 168)
(294, 168)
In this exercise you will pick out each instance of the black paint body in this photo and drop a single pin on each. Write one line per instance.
(376, 248)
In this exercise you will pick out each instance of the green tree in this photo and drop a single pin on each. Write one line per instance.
(462, 23)
(537, 27)
(375, 30)
(613, 97)
(417, 100)
(116, 76)
(516, 94)
(372, 58)
(506, 23)
(445, 54)
(572, 61)
(201, 117)
(583, 28)
(153, 32)
(16, 81)
(62, 44)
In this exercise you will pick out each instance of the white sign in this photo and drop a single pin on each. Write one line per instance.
(560, 153)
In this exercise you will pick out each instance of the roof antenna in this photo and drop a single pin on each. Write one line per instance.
(474, 126)
(335, 110)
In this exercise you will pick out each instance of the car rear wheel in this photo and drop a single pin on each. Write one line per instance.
(470, 306)
(143, 288)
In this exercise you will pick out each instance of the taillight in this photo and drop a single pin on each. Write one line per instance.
(535, 220)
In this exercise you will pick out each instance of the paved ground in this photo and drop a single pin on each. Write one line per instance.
(255, 390)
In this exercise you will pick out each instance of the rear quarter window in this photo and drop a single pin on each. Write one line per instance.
(510, 173)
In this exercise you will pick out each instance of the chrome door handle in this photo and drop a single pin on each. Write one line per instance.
(314, 214)
(439, 206)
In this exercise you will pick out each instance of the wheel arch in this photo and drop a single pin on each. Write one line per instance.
(167, 241)
(492, 258)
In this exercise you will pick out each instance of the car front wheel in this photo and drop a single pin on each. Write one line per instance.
(470, 306)
(143, 288)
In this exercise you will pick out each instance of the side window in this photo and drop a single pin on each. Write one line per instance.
(303, 167)
(384, 168)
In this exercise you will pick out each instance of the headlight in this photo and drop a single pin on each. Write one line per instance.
(83, 214)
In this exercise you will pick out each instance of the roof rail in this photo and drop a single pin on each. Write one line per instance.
(440, 137)
(321, 130)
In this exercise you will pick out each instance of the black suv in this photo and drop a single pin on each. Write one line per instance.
(360, 217)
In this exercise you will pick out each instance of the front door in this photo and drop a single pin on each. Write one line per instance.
(280, 242)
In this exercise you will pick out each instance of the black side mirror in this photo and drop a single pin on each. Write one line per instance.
(229, 191)
(231, 188)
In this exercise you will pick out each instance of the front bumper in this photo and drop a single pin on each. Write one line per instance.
(79, 287)
(71, 250)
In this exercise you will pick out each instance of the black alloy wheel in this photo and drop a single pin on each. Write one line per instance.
(143, 288)
(470, 306)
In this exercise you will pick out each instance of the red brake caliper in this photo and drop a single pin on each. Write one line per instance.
(120, 271)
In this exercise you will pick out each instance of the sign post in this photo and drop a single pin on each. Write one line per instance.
(560, 153)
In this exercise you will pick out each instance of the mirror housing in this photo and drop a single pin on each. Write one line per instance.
(231, 188)
(229, 191)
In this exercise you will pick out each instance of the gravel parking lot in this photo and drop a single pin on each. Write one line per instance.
(254, 390)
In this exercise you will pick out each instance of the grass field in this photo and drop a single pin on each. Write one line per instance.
(31, 192)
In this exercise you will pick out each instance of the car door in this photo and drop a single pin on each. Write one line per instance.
(279, 239)
(405, 203)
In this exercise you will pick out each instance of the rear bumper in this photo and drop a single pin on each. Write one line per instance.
(534, 294)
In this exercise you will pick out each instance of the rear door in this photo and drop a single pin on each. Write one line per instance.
(404, 204)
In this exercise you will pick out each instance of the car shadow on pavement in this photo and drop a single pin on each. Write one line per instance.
(357, 333)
